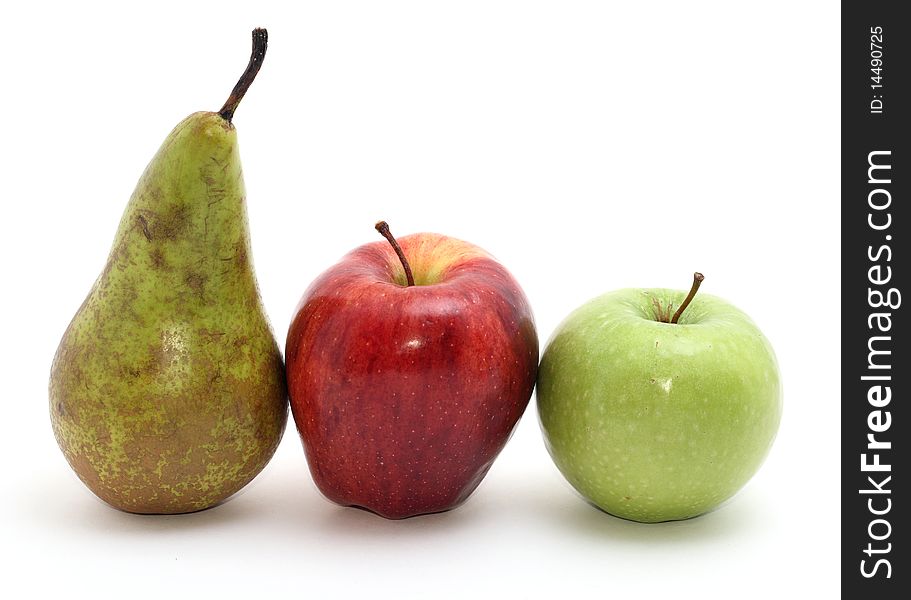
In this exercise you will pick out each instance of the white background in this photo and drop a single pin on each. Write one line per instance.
(588, 145)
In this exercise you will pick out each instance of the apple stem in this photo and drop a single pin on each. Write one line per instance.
(260, 41)
(697, 281)
(383, 228)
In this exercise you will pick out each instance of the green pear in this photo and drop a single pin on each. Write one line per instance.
(167, 392)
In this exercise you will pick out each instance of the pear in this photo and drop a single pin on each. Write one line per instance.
(167, 392)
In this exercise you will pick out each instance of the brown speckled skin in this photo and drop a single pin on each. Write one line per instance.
(404, 396)
(167, 392)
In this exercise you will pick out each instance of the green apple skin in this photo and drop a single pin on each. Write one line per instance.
(655, 421)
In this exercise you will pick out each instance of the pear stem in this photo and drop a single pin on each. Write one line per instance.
(260, 41)
(383, 228)
(697, 281)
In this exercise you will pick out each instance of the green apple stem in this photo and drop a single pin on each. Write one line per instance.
(383, 228)
(697, 281)
(260, 41)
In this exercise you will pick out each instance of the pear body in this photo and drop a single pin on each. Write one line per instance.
(167, 391)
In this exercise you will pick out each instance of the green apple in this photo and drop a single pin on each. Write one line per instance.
(653, 417)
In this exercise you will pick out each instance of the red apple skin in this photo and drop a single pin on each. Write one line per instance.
(404, 396)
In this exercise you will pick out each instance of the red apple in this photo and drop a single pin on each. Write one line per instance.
(405, 394)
